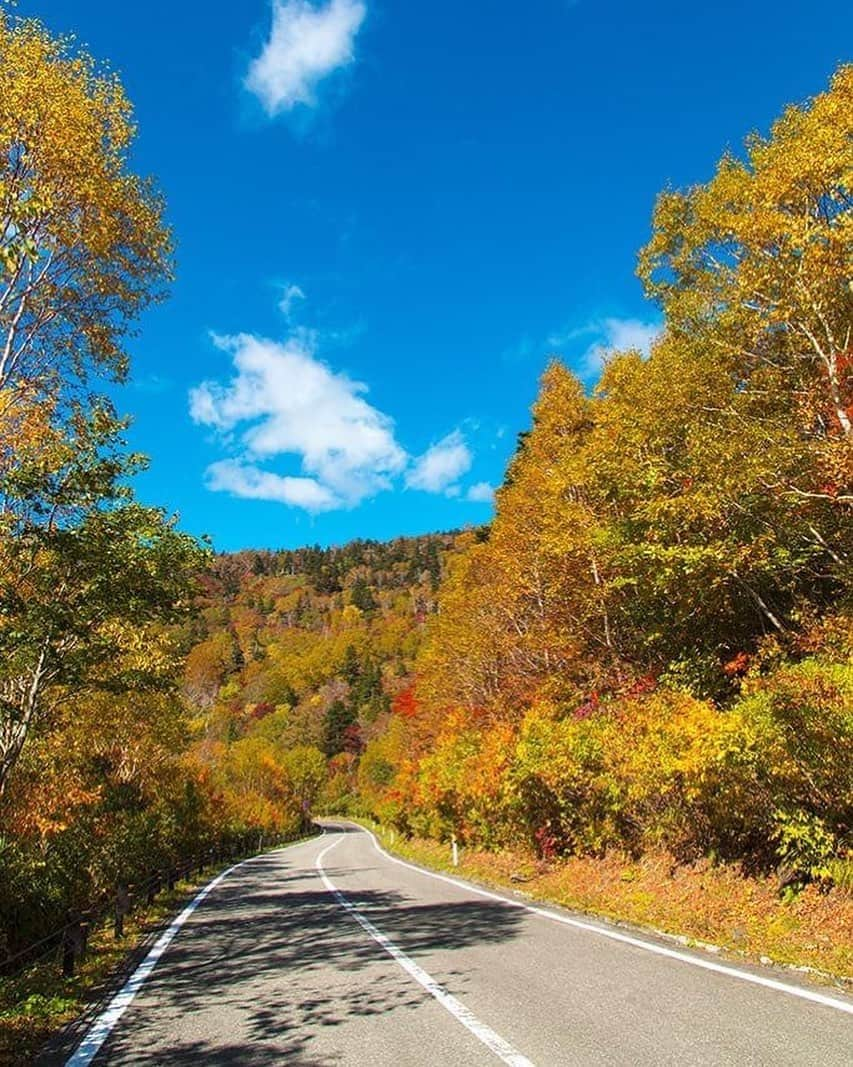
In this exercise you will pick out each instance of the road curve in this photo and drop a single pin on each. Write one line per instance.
(332, 953)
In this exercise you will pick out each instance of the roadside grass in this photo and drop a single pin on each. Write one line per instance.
(37, 1003)
(703, 905)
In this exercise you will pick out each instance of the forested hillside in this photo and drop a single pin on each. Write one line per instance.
(650, 647)
(300, 656)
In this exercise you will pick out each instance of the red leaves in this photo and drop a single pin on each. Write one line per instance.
(352, 740)
(547, 843)
(405, 704)
(646, 684)
(736, 666)
(260, 711)
(589, 707)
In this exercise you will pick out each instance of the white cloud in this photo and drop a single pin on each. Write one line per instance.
(290, 294)
(306, 44)
(619, 335)
(242, 479)
(481, 493)
(282, 401)
(283, 405)
(605, 336)
(441, 466)
(560, 338)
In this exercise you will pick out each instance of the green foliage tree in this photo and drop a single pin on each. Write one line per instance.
(84, 571)
(339, 718)
(361, 595)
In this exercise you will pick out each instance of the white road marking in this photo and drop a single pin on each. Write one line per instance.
(615, 935)
(100, 1029)
(501, 1048)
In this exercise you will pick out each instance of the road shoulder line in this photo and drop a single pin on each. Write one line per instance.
(105, 1022)
(615, 935)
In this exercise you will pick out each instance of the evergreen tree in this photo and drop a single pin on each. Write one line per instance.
(361, 595)
(351, 668)
(339, 718)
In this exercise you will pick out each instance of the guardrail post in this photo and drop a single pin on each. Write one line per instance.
(86, 919)
(122, 907)
(72, 947)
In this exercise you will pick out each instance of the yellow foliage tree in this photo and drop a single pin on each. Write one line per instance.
(83, 248)
(756, 263)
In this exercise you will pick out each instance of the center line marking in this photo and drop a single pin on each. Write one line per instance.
(493, 1041)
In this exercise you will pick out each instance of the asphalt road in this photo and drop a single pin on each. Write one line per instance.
(358, 959)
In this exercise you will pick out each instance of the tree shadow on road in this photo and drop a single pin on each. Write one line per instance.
(277, 963)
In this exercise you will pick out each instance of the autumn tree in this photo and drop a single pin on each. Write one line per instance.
(305, 769)
(756, 265)
(207, 666)
(527, 606)
(647, 647)
(752, 388)
(83, 248)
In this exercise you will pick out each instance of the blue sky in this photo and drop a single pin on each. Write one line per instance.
(389, 215)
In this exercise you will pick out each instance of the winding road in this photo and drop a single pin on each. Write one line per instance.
(331, 952)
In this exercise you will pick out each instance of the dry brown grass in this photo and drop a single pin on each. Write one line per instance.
(701, 903)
